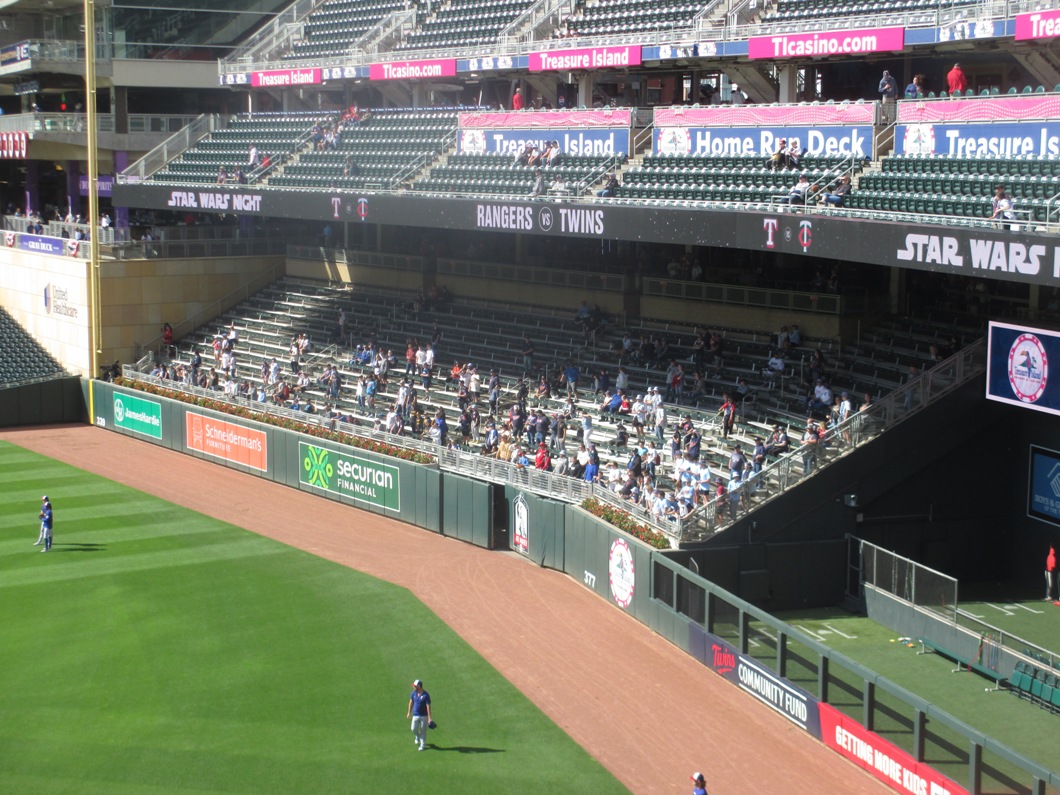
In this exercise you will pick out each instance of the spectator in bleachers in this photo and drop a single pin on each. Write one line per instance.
(222, 175)
(779, 158)
(794, 154)
(888, 89)
(555, 154)
(915, 89)
(779, 443)
(1002, 209)
(527, 352)
(610, 187)
(252, 159)
(821, 399)
(810, 443)
(956, 81)
(798, 193)
(517, 99)
(838, 196)
(539, 183)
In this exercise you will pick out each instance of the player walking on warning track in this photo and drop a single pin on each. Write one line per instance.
(45, 525)
(420, 712)
(1050, 574)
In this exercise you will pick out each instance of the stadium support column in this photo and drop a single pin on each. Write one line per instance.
(897, 290)
(73, 185)
(788, 88)
(585, 91)
(121, 214)
(32, 185)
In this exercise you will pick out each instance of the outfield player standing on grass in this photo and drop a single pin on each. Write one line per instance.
(420, 712)
(40, 536)
(46, 524)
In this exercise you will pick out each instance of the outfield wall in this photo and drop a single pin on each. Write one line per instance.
(47, 402)
(820, 691)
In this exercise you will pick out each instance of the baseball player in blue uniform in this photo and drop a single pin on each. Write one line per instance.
(701, 784)
(420, 712)
(45, 525)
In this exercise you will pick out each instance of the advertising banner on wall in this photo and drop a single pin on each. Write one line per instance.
(801, 115)
(413, 70)
(228, 441)
(285, 78)
(597, 142)
(546, 119)
(521, 525)
(137, 414)
(1021, 367)
(825, 43)
(994, 140)
(851, 141)
(1038, 25)
(1043, 497)
(584, 58)
(886, 761)
(777, 693)
(349, 475)
(41, 244)
(1021, 107)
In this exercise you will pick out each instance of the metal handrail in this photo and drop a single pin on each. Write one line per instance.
(171, 147)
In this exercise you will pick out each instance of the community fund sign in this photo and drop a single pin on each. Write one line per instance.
(350, 476)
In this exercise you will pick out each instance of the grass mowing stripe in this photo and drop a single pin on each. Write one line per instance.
(207, 659)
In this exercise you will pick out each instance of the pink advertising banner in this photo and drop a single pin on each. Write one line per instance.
(766, 115)
(831, 42)
(585, 58)
(548, 119)
(1038, 25)
(281, 78)
(413, 70)
(1003, 108)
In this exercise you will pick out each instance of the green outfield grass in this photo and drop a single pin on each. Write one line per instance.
(1019, 724)
(155, 650)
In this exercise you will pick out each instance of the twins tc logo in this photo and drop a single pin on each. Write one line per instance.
(317, 466)
(804, 234)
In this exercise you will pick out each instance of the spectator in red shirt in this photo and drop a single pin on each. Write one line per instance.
(1050, 574)
(956, 80)
(517, 99)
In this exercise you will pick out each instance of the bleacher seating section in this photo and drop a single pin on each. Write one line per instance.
(631, 16)
(273, 134)
(21, 357)
(383, 146)
(912, 11)
(335, 25)
(737, 179)
(495, 173)
(490, 335)
(955, 186)
(464, 23)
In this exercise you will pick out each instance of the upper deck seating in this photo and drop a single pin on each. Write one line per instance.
(464, 23)
(631, 16)
(333, 27)
(378, 150)
(958, 186)
(230, 147)
(703, 178)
